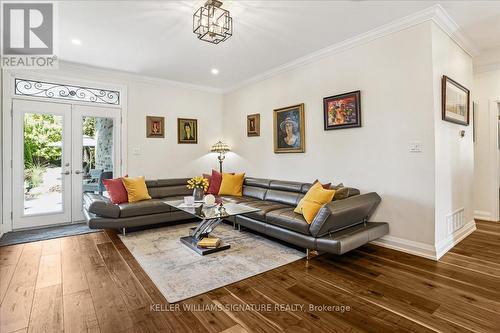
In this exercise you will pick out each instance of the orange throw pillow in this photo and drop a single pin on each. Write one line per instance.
(232, 184)
(312, 202)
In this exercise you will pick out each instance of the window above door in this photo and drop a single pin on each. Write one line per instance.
(24, 87)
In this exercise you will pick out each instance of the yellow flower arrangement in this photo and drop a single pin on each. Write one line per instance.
(198, 182)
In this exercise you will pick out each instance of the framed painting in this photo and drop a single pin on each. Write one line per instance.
(253, 125)
(187, 130)
(455, 100)
(155, 127)
(289, 129)
(342, 111)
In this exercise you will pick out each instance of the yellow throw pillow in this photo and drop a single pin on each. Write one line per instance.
(298, 209)
(232, 184)
(316, 197)
(136, 189)
(310, 209)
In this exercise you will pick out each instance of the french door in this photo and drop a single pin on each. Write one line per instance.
(60, 151)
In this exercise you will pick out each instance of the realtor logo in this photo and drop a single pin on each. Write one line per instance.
(28, 35)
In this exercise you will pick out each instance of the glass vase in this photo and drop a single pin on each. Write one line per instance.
(198, 194)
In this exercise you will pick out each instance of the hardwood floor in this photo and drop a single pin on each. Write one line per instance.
(92, 283)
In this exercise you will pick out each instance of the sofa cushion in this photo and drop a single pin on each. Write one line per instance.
(100, 206)
(288, 219)
(166, 182)
(264, 206)
(145, 207)
(257, 182)
(284, 197)
(254, 192)
(169, 191)
(285, 186)
(239, 200)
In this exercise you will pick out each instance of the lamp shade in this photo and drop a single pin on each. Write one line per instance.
(220, 147)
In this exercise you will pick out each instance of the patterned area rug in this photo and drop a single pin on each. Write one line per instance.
(33, 235)
(180, 273)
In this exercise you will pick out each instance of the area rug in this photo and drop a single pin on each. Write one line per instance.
(180, 273)
(33, 235)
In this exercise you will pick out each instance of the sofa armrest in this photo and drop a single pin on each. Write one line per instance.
(100, 205)
(337, 215)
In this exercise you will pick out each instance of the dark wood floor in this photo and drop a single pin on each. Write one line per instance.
(92, 283)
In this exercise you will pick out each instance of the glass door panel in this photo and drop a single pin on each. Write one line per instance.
(41, 164)
(97, 153)
(43, 169)
(95, 137)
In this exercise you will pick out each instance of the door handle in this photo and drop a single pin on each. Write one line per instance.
(65, 173)
(78, 172)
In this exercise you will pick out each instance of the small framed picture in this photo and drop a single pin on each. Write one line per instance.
(253, 125)
(155, 127)
(342, 111)
(289, 129)
(187, 130)
(455, 100)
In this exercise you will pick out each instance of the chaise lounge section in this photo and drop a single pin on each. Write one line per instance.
(340, 226)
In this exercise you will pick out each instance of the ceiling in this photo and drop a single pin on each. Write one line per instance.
(155, 38)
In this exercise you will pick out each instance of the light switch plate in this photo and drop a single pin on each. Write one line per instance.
(136, 151)
(415, 147)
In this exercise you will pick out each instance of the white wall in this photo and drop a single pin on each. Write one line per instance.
(454, 155)
(486, 89)
(165, 158)
(394, 76)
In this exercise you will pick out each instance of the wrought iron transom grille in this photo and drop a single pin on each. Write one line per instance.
(64, 91)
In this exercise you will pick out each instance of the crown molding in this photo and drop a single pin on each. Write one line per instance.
(448, 25)
(123, 75)
(435, 13)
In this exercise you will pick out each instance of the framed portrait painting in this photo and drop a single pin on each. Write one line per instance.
(342, 111)
(187, 130)
(253, 125)
(155, 127)
(455, 100)
(289, 129)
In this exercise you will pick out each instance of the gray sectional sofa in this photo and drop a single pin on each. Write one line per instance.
(340, 226)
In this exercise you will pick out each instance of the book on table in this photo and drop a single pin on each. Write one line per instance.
(209, 242)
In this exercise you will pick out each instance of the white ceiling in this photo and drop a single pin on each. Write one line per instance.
(155, 38)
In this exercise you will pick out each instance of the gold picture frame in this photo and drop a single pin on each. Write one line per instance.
(253, 124)
(155, 127)
(187, 130)
(289, 129)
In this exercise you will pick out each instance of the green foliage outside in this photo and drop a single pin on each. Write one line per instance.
(43, 144)
(89, 126)
(42, 140)
(33, 176)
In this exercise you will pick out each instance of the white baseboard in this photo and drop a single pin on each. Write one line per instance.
(426, 250)
(484, 215)
(404, 245)
(449, 242)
